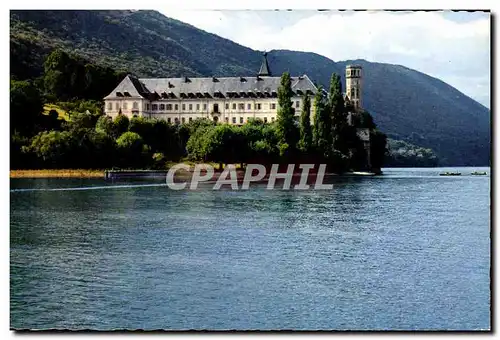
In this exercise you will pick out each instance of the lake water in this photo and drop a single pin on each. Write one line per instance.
(408, 250)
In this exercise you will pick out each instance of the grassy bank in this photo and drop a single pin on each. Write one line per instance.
(57, 173)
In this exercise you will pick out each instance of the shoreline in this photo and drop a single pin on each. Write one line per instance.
(108, 174)
(57, 173)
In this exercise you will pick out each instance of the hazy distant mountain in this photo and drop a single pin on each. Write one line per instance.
(406, 104)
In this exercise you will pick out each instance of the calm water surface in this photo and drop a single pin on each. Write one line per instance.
(406, 250)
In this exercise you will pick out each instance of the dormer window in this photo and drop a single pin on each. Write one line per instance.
(119, 94)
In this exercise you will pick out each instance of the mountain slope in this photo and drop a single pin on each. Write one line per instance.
(406, 104)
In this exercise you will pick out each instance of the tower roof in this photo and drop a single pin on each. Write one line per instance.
(264, 68)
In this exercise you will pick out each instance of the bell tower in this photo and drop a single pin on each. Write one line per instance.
(353, 86)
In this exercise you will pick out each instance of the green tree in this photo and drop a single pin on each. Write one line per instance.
(26, 106)
(121, 124)
(322, 127)
(286, 127)
(105, 125)
(305, 141)
(53, 148)
(131, 149)
(338, 114)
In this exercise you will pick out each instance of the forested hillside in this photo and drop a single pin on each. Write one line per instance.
(406, 104)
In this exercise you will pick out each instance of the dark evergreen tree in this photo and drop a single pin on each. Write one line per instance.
(322, 127)
(286, 127)
(338, 114)
(305, 141)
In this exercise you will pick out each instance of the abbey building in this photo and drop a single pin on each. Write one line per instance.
(231, 100)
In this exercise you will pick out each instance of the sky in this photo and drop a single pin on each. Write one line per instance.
(451, 46)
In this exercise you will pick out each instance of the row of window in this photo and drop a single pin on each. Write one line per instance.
(354, 92)
(183, 120)
(135, 106)
(354, 73)
(175, 107)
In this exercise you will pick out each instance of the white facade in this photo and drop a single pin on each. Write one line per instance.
(225, 110)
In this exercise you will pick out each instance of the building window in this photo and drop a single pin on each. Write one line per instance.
(162, 107)
(265, 119)
(190, 107)
(234, 106)
(154, 107)
(147, 107)
(169, 120)
(183, 120)
(216, 108)
(259, 106)
(197, 107)
(241, 106)
(249, 106)
(227, 106)
(117, 106)
(273, 106)
(183, 107)
(297, 103)
(176, 120)
(352, 93)
(169, 107)
(272, 119)
(125, 106)
(204, 107)
(190, 119)
(110, 106)
(241, 120)
(234, 120)
(176, 107)
(357, 93)
(135, 106)
(227, 120)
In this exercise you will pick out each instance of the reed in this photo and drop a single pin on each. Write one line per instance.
(55, 173)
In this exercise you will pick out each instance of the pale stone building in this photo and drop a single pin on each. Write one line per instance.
(230, 100)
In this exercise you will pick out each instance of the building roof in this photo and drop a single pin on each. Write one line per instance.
(213, 87)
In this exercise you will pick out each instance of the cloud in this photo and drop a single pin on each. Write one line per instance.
(454, 47)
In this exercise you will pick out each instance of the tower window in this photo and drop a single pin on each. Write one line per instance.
(352, 93)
